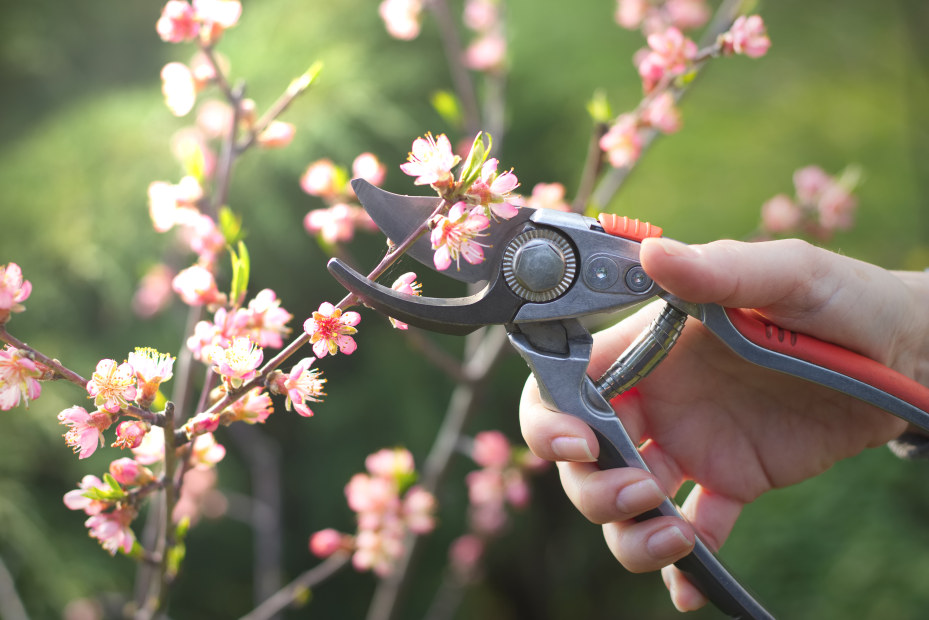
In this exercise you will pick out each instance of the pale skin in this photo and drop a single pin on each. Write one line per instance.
(706, 415)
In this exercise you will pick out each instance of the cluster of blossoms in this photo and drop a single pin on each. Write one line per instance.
(671, 55)
(657, 15)
(487, 51)
(479, 195)
(337, 222)
(501, 481)
(821, 204)
(402, 18)
(112, 503)
(387, 505)
(19, 378)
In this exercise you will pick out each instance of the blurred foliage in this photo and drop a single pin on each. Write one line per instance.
(83, 131)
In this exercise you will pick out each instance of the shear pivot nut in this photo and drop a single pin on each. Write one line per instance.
(539, 265)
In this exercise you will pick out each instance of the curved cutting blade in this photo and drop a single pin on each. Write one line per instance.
(398, 216)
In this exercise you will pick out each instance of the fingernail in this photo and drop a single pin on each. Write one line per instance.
(572, 449)
(639, 496)
(667, 542)
(677, 249)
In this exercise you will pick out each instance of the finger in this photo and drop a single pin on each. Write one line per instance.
(684, 595)
(649, 545)
(712, 515)
(552, 435)
(611, 494)
(736, 274)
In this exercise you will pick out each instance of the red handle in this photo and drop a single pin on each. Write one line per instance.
(765, 334)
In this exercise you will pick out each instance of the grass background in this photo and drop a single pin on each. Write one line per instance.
(83, 131)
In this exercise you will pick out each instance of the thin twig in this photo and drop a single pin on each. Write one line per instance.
(461, 77)
(491, 343)
(296, 588)
(60, 369)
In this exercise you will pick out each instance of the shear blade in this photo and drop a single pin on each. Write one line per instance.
(399, 216)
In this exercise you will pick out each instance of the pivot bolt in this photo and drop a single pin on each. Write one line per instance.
(539, 265)
(637, 280)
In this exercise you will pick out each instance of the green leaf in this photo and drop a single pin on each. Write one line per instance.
(405, 481)
(471, 169)
(599, 108)
(447, 105)
(241, 268)
(230, 225)
(300, 84)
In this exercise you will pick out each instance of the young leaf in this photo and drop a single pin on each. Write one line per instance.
(241, 268)
(448, 107)
(230, 226)
(471, 169)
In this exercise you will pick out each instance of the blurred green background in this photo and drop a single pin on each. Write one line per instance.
(83, 131)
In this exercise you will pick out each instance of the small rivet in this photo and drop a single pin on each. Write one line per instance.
(637, 280)
(601, 273)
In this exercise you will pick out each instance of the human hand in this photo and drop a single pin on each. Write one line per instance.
(736, 429)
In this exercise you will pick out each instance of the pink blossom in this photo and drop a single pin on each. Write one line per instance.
(86, 429)
(151, 369)
(392, 464)
(129, 472)
(481, 15)
(200, 424)
(746, 36)
(205, 451)
(401, 17)
(169, 204)
(687, 14)
(662, 114)
(19, 378)
(335, 224)
(130, 434)
(252, 408)
(810, 182)
(331, 331)
(431, 161)
(266, 322)
(378, 550)
(486, 53)
(78, 500)
(197, 287)
(367, 166)
(151, 449)
(670, 53)
(204, 237)
(494, 190)
(780, 214)
(370, 496)
(630, 13)
(548, 196)
(190, 148)
(300, 385)
(178, 22)
(326, 542)
(112, 385)
(13, 290)
(622, 143)
(199, 496)
(419, 507)
(154, 291)
(491, 449)
(324, 179)
(224, 13)
(179, 88)
(453, 237)
(225, 327)
(112, 529)
(465, 553)
(836, 208)
(237, 363)
(277, 134)
(407, 285)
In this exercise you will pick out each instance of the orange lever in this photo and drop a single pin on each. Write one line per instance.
(622, 226)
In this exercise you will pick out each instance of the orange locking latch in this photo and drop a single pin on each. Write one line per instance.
(622, 226)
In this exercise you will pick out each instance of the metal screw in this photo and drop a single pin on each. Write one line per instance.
(637, 280)
(601, 273)
(539, 265)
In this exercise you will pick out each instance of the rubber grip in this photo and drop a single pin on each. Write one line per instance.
(758, 330)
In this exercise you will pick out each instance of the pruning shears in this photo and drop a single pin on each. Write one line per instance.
(545, 270)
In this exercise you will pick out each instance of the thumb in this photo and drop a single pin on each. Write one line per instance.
(795, 284)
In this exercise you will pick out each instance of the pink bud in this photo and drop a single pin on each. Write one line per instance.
(128, 472)
(326, 542)
(129, 434)
(491, 449)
